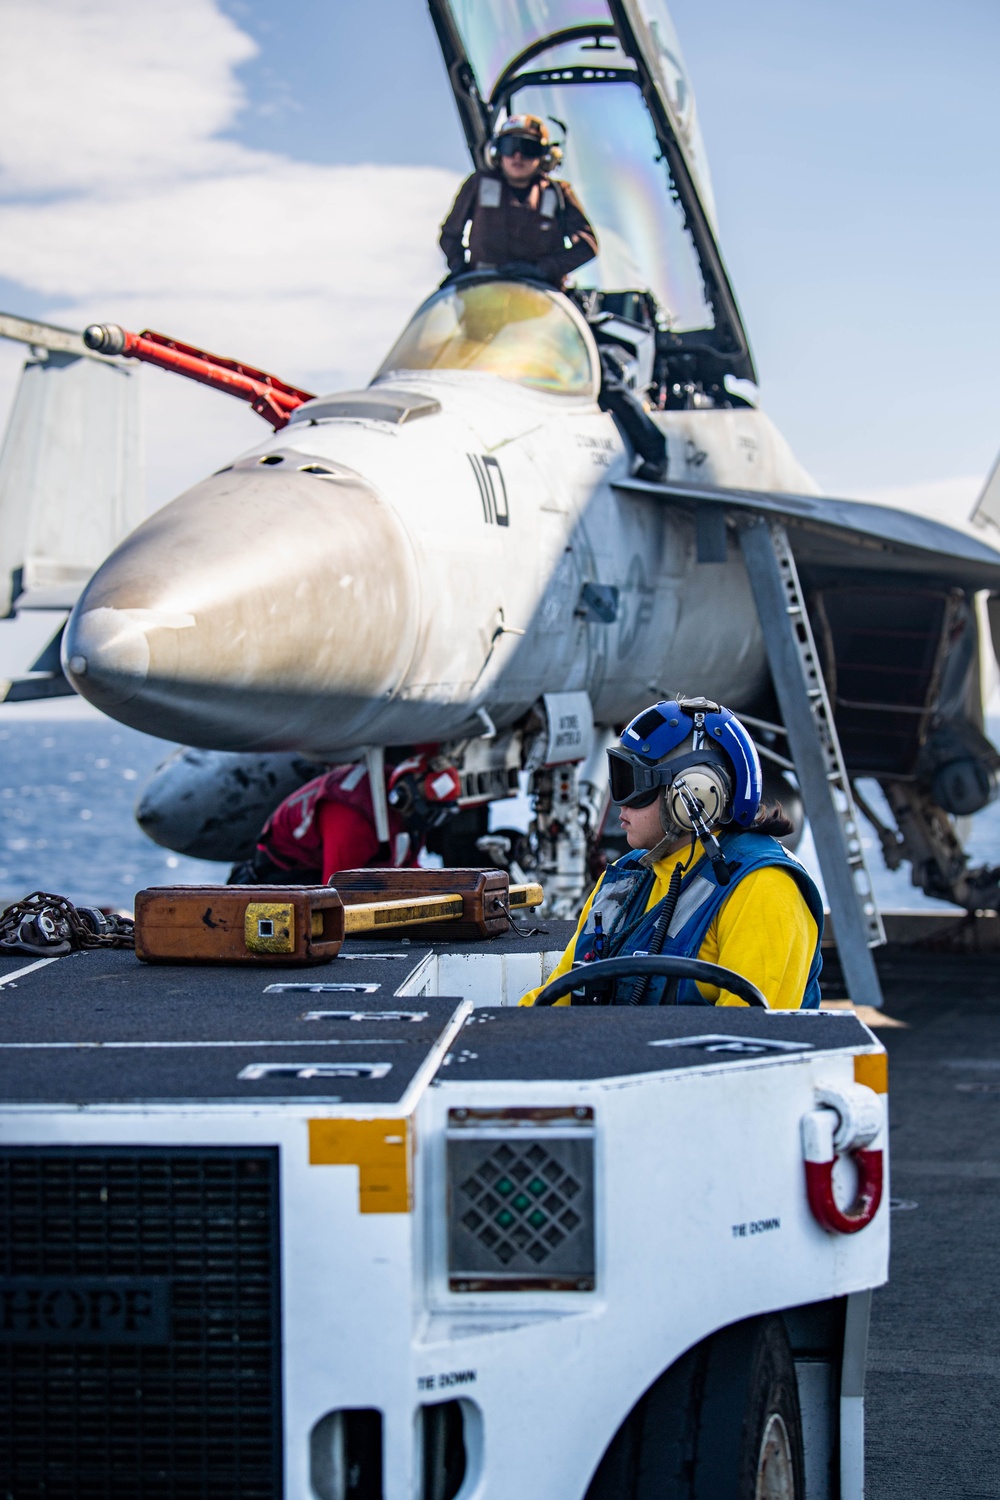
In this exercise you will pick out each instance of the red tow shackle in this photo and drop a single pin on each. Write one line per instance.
(848, 1120)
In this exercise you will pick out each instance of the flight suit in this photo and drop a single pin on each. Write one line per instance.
(327, 825)
(526, 227)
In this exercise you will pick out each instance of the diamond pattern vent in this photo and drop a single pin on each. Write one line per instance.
(521, 1214)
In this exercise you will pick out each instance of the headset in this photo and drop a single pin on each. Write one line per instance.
(699, 758)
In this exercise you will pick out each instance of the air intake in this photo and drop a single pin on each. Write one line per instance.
(139, 1325)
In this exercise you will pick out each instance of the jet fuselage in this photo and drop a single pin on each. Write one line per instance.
(357, 581)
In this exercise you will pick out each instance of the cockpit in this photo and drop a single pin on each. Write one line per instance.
(608, 78)
(517, 330)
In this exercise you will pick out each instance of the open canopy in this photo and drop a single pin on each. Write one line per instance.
(608, 77)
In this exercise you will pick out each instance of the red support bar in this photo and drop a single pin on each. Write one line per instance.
(269, 397)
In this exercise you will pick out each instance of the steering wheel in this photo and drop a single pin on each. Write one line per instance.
(666, 966)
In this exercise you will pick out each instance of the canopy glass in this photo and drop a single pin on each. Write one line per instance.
(505, 328)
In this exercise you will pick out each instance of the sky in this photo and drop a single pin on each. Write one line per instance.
(267, 182)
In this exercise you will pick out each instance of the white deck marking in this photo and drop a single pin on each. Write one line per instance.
(76, 1046)
(364, 1015)
(717, 1042)
(372, 957)
(30, 968)
(317, 988)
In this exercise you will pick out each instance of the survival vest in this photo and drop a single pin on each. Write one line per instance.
(628, 927)
(510, 229)
(291, 836)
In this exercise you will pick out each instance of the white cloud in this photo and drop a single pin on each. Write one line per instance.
(288, 262)
(112, 91)
(119, 203)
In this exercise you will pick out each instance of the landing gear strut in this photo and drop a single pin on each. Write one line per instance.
(925, 836)
(561, 834)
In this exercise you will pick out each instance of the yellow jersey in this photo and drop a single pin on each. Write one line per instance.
(764, 930)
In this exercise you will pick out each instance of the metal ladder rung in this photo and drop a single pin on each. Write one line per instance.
(808, 718)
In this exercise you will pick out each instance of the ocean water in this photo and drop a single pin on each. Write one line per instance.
(68, 787)
(69, 780)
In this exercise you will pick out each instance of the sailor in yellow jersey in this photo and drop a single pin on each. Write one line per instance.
(732, 896)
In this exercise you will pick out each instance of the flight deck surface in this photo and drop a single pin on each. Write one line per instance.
(933, 1383)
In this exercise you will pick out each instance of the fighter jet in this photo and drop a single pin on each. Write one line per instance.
(461, 555)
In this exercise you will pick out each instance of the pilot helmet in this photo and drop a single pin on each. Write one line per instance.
(688, 751)
(526, 133)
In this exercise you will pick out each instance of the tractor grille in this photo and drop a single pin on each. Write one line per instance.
(139, 1325)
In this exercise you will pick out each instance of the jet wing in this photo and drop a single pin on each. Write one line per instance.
(609, 77)
(853, 534)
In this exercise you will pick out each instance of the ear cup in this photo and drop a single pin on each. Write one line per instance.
(551, 159)
(711, 787)
(490, 155)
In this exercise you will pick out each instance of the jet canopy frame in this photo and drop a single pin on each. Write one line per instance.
(513, 78)
(707, 354)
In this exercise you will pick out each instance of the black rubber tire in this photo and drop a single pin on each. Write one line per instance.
(697, 1433)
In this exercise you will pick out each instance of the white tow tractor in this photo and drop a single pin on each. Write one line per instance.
(332, 1236)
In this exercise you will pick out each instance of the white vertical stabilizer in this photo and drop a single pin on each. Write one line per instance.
(70, 476)
(986, 511)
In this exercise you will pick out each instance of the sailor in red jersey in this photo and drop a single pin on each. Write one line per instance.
(329, 824)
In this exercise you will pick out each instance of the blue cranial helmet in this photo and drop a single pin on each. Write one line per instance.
(694, 749)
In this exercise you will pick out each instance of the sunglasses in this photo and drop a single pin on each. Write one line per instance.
(521, 145)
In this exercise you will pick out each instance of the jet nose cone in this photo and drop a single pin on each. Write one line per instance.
(106, 655)
(267, 607)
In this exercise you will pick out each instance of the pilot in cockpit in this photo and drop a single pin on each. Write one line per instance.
(521, 219)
